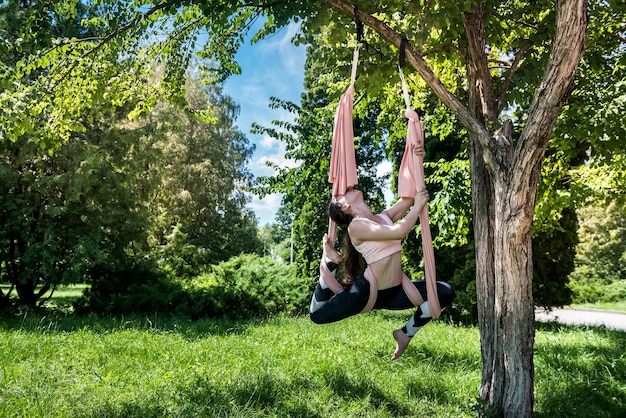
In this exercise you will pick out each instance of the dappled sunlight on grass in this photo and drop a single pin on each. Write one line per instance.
(584, 365)
(161, 366)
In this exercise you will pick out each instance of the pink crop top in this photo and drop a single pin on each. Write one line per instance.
(373, 251)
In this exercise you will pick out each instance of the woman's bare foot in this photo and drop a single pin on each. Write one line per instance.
(403, 341)
(330, 252)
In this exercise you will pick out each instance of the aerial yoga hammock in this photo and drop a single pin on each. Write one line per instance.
(343, 176)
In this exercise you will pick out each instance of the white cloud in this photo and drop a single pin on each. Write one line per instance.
(265, 209)
(267, 142)
(271, 67)
(258, 164)
(280, 43)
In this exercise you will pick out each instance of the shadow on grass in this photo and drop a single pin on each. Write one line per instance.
(348, 388)
(581, 376)
(260, 393)
(255, 395)
(54, 320)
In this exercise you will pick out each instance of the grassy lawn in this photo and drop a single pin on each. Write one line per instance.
(68, 366)
(617, 306)
(61, 365)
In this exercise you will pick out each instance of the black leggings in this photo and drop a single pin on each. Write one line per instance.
(352, 300)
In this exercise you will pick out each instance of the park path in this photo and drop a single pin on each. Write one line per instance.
(609, 319)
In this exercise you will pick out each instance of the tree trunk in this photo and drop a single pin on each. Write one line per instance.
(506, 308)
(483, 218)
(504, 196)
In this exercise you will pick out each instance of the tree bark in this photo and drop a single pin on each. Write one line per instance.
(504, 177)
(503, 234)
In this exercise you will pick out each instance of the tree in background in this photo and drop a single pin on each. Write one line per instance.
(162, 188)
(600, 274)
(104, 192)
(63, 213)
(83, 206)
(200, 216)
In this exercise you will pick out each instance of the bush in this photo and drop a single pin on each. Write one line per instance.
(615, 292)
(600, 274)
(134, 288)
(588, 287)
(602, 247)
(243, 287)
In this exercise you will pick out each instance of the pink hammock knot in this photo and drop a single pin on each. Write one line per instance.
(412, 115)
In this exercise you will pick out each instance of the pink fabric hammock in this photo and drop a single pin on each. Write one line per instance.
(410, 180)
(343, 175)
(342, 172)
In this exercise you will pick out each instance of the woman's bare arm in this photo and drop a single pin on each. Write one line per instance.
(399, 208)
(371, 231)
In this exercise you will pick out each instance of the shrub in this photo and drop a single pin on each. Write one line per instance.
(588, 287)
(134, 288)
(600, 274)
(243, 287)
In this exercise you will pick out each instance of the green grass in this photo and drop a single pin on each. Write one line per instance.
(57, 365)
(616, 306)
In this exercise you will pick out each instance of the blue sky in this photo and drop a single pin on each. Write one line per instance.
(271, 67)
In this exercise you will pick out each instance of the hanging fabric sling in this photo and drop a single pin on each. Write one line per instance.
(343, 175)
(410, 180)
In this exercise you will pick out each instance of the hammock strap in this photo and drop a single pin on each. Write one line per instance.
(355, 61)
(411, 179)
(405, 90)
(401, 59)
(359, 40)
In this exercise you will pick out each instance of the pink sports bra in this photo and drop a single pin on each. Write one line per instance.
(373, 251)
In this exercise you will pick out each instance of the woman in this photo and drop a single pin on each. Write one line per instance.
(378, 239)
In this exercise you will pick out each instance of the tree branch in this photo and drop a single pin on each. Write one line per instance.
(471, 123)
(103, 40)
(511, 73)
(556, 84)
(480, 88)
(416, 61)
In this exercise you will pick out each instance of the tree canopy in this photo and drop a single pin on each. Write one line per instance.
(115, 186)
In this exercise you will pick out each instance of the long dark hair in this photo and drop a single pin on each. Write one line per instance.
(351, 257)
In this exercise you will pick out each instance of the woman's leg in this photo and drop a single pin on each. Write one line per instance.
(326, 308)
(422, 315)
(322, 293)
(396, 299)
